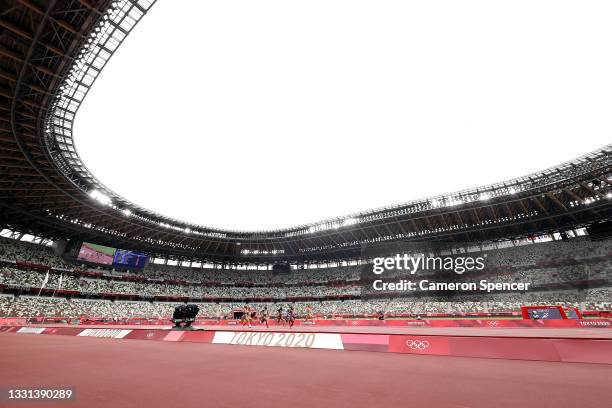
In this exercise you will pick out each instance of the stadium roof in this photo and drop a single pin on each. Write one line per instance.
(52, 52)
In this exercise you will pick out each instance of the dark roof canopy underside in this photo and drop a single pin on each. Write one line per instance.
(50, 55)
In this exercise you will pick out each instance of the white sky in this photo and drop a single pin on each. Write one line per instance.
(264, 114)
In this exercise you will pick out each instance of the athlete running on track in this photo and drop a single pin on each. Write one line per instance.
(264, 316)
(291, 316)
(309, 315)
(246, 316)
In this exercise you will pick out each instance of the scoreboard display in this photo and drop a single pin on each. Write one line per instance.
(130, 259)
(572, 313)
(99, 254)
(104, 255)
(543, 312)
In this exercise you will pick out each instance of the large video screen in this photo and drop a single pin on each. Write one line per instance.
(96, 253)
(104, 255)
(130, 259)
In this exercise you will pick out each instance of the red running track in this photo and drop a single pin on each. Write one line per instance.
(150, 374)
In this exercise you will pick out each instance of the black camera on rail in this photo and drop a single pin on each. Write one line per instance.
(184, 315)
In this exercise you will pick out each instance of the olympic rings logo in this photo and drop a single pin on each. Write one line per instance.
(493, 323)
(417, 344)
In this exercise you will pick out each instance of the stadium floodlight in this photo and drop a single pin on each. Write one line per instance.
(351, 221)
(100, 197)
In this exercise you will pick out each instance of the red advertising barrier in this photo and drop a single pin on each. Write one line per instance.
(524, 348)
(13, 320)
(436, 345)
(143, 334)
(8, 329)
(575, 351)
(503, 347)
(198, 336)
(64, 331)
(366, 342)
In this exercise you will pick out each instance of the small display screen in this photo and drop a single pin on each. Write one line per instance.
(545, 313)
(130, 259)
